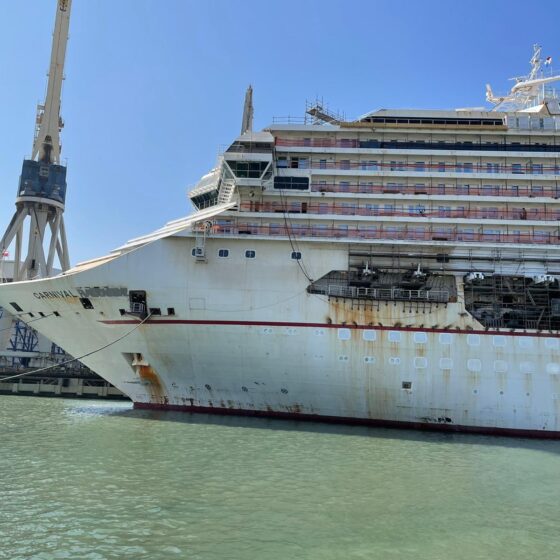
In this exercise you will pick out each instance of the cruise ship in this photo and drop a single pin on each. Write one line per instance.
(398, 269)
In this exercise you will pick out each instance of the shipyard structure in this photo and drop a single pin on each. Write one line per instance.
(399, 269)
(38, 234)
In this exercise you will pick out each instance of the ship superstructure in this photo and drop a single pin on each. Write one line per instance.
(401, 268)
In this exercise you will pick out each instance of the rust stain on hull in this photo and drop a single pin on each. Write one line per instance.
(149, 376)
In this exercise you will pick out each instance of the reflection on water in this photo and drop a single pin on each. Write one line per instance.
(98, 480)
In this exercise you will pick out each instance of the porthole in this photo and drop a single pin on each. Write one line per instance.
(296, 255)
(344, 334)
(420, 337)
(223, 253)
(250, 254)
(500, 366)
(407, 385)
(499, 341)
(445, 338)
(474, 364)
(525, 342)
(527, 367)
(420, 363)
(473, 340)
(369, 335)
(394, 336)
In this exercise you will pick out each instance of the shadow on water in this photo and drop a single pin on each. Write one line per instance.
(309, 426)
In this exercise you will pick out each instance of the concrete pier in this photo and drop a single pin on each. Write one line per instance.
(59, 383)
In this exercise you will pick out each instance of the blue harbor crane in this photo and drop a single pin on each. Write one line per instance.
(42, 187)
(40, 197)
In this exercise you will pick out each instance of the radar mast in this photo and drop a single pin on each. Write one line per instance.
(528, 91)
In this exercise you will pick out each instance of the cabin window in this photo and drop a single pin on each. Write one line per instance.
(296, 255)
(250, 254)
(394, 336)
(86, 303)
(223, 253)
(420, 338)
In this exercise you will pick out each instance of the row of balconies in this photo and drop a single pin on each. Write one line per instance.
(486, 167)
(393, 232)
(536, 213)
(501, 144)
(440, 189)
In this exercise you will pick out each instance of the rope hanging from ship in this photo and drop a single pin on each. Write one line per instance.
(47, 368)
(294, 246)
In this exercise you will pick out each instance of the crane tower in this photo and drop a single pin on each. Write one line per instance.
(42, 186)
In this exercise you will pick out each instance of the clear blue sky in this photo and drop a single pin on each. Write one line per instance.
(154, 88)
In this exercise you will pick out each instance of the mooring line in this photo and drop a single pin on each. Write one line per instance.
(40, 370)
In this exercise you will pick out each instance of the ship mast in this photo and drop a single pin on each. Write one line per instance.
(528, 91)
(247, 120)
(42, 187)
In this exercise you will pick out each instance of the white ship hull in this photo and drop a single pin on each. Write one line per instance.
(245, 337)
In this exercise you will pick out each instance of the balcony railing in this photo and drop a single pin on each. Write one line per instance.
(546, 191)
(392, 294)
(325, 209)
(423, 167)
(377, 144)
(411, 234)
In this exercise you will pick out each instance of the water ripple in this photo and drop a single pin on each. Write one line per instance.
(91, 480)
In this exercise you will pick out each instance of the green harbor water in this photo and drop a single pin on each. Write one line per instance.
(98, 480)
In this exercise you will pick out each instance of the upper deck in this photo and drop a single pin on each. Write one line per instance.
(474, 178)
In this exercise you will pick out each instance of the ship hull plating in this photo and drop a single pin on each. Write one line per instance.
(242, 337)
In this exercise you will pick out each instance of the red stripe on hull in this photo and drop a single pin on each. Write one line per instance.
(505, 332)
(510, 432)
